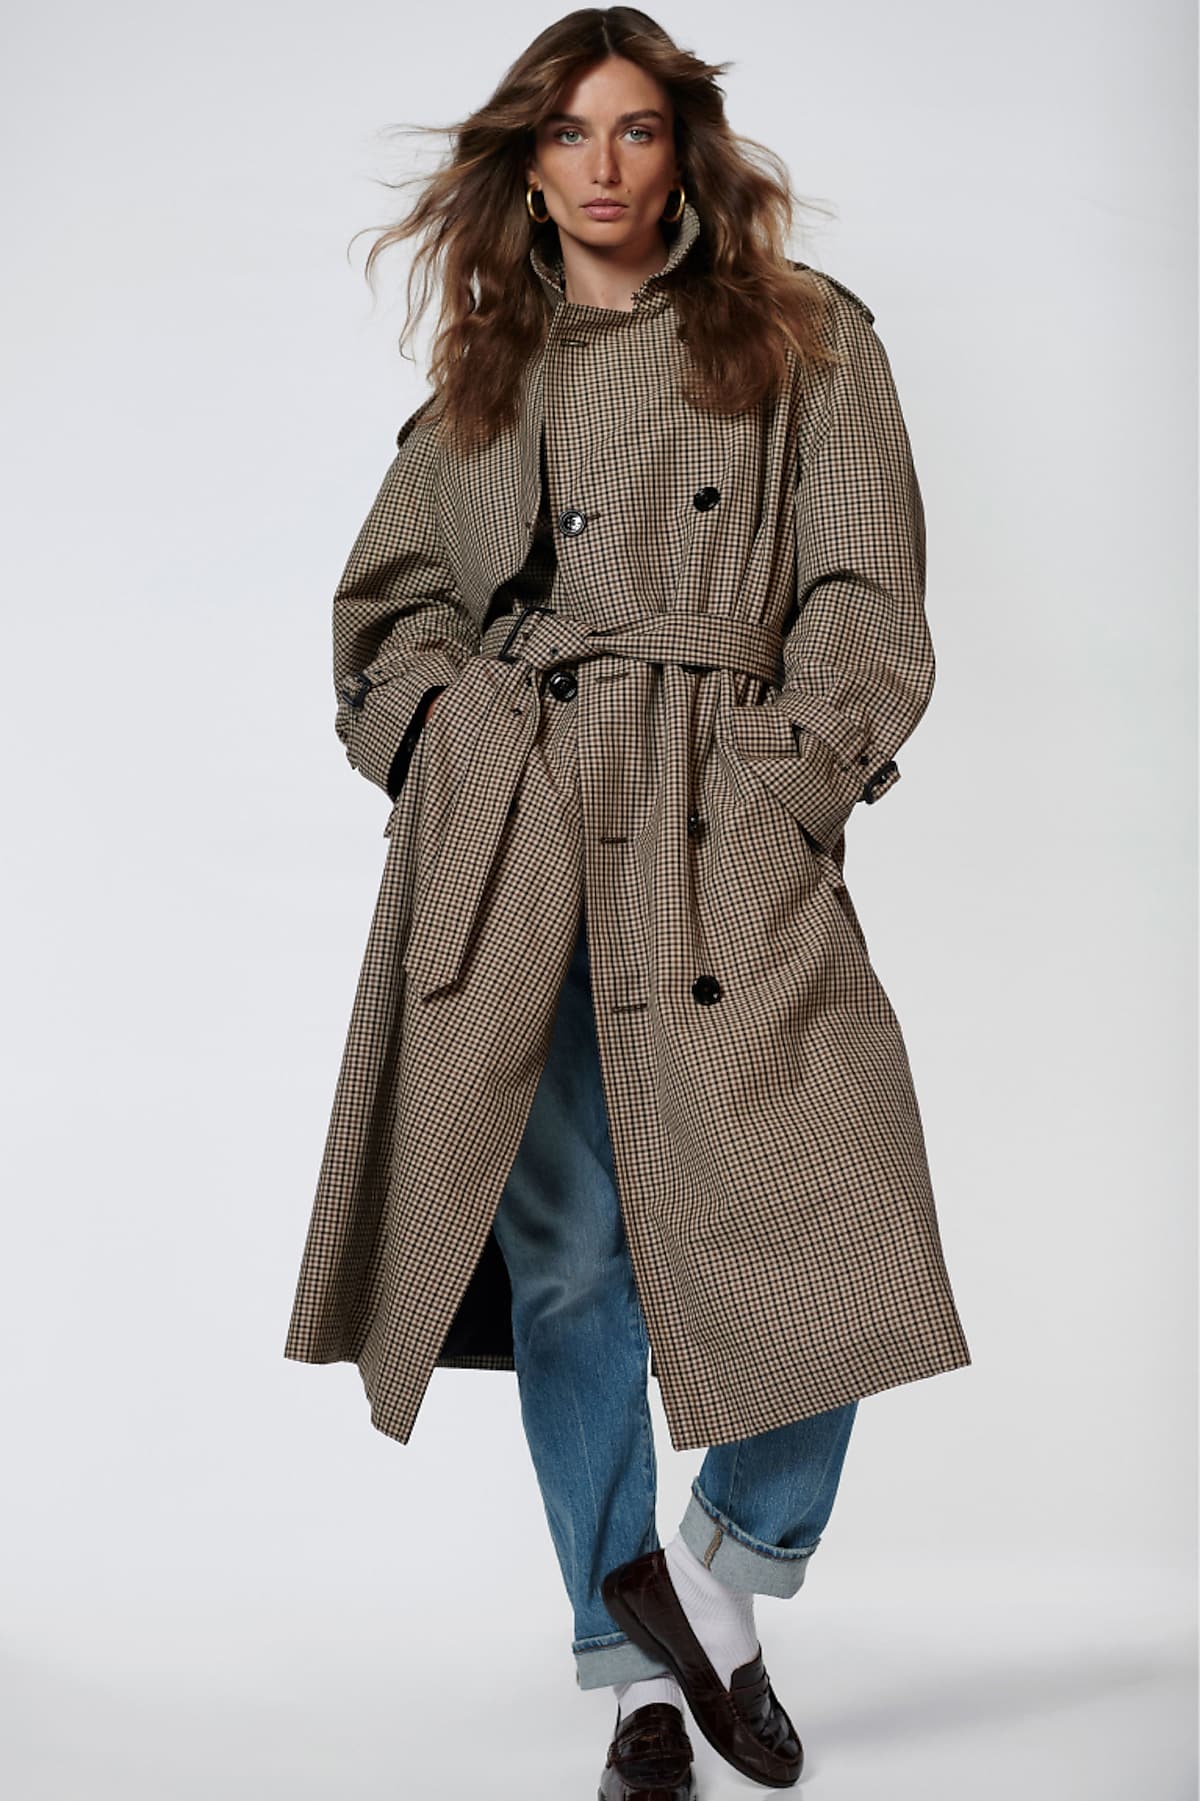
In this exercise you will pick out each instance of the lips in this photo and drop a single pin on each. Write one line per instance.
(605, 209)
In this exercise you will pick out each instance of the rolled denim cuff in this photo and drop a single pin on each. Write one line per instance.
(736, 1558)
(600, 1662)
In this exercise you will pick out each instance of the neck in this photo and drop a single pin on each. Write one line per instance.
(609, 278)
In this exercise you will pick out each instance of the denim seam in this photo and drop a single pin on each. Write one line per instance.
(732, 1497)
(649, 1461)
(780, 1553)
(601, 1643)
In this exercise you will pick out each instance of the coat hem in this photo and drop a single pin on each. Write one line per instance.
(700, 1436)
(477, 1361)
(833, 1394)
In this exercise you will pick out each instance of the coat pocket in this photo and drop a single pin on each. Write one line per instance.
(760, 740)
(435, 722)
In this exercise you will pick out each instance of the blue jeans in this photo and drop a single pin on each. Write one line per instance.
(758, 1506)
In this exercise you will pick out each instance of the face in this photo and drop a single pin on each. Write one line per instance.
(611, 140)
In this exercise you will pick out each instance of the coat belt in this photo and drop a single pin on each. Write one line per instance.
(525, 644)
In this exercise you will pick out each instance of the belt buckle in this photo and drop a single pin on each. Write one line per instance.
(502, 655)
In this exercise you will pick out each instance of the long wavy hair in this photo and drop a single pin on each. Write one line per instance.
(740, 301)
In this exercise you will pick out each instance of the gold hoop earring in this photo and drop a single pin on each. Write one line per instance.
(538, 218)
(672, 218)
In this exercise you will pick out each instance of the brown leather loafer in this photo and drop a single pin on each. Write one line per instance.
(745, 1721)
(650, 1758)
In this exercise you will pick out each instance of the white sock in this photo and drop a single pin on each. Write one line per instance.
(632, 1695)
(721, 1617)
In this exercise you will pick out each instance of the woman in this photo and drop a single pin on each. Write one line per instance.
(634, 622)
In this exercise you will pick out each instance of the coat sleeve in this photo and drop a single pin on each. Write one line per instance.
(400, 629)
(858, 660)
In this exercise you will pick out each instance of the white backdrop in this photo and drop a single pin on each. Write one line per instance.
(218, 1578)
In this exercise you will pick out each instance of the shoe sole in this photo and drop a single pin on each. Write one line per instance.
(691, 1794)
(645, 1640)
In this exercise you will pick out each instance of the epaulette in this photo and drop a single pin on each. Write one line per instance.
(413, 417)
(841, 288)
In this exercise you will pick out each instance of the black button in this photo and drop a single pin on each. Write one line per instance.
(705, 498)
(694, 824)
(572, 522)
(562, 684)
(864, 759)
(706, 990)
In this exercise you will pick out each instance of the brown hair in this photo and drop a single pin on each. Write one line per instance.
(739, 300)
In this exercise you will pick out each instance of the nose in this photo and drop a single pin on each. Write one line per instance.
(605, 169)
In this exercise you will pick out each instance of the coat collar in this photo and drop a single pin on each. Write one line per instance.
(548, 265)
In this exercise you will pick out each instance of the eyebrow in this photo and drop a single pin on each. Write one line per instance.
(646, 112)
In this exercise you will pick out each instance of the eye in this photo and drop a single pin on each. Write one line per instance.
(561, 132)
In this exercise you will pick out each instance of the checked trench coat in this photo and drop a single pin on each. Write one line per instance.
(666, 735)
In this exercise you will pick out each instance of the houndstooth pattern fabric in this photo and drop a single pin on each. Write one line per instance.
(736, 652)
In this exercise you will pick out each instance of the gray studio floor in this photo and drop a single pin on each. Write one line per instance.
(919, 1684)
